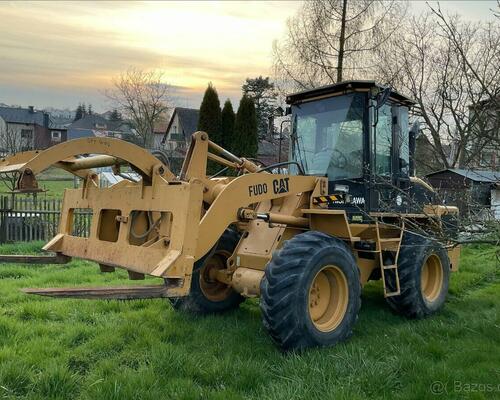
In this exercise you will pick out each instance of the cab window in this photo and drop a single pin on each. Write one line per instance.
(383, 141)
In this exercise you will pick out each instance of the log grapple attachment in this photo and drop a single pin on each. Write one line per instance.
(158, 226)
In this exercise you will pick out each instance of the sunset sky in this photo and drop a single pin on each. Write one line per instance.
(60, 53)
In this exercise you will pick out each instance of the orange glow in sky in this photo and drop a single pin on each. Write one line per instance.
(78, 47)
(62, 53)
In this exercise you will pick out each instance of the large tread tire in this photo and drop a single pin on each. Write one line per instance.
(197, 301)
(284, 300)
(412, 303)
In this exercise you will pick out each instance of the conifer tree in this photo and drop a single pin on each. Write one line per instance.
(210, 115)
(227, 126)
(115, 115)
(78, 113)
(246, 138)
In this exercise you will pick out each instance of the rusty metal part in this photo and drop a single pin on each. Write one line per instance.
(104, 293)
(246, 281)
(27, 259)
(106, 268)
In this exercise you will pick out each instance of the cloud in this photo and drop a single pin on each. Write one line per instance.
(80, 46)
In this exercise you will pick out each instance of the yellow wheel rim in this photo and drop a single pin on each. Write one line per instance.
(211, 288)
(431, 279)
(328, 298)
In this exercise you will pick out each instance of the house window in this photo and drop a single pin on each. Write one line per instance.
(56, 136)
(26, 133)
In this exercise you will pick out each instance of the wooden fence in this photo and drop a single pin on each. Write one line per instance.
(24, 219)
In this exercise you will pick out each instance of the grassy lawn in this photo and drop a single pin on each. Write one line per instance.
(53, 180)
(54, 189)
(77, 349)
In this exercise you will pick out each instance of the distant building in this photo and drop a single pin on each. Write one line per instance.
(271, 152)
(475, 192)
(24, 129)
(183, 123)
(159, 129)
(92, 125)
(176, 137)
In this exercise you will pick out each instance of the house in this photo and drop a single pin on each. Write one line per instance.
(176, 138)
(91, 125)
(475, 192)
(159, 129)
(271, 152)
(183, 123)
(24, 129)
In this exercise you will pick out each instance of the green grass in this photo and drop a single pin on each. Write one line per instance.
(53, 189)
(53, 181)
(77, 349)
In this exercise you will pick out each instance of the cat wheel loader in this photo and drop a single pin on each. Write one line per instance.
(304, 235)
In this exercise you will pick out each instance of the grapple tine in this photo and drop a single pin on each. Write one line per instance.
(103, 293)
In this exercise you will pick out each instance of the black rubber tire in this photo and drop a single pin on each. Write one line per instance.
(196, 301)
(285, 290)
(414, 251)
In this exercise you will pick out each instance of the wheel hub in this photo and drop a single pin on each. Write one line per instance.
(212, 288)
(431, 279)
(328, 298)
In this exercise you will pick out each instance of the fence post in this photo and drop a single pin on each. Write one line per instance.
(3, 227)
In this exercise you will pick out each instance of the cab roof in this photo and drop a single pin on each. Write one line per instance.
(344, 88)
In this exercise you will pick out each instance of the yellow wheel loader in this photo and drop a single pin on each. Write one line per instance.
(304, 235)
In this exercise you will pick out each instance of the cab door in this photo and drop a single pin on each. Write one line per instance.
(390, 158)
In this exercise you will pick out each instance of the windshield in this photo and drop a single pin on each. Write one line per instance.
(327, 136)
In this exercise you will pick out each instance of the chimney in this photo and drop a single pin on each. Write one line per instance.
(31, 109)
(45, 120)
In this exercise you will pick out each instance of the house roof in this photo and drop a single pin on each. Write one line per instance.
(188, 118)
(160, 127)
(474, 175)
(79, 133)
(18, 115)
(91, 121)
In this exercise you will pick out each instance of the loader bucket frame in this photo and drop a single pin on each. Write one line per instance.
(159, 226)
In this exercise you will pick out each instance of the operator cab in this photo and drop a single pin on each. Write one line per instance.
(356, 133)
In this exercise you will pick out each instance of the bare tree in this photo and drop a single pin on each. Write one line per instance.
(12, 142)
(142, 97)
(331, 40)
(450, 68)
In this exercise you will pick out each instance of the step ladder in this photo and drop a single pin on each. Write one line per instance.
(392, 244)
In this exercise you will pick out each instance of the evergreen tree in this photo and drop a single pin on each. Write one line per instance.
(210, 115)
(89, 109)
(246, 139)
(84, 110)
(227, 126)
(115, 115)
(78, 113)
(263, 93)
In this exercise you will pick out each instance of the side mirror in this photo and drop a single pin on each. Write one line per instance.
(278, 112)
(415, 130)
(270, 125)
(414, 133)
